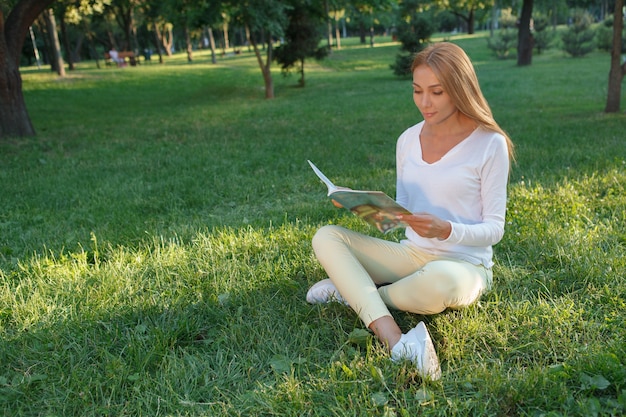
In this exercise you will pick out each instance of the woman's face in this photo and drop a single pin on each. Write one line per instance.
(429, 96)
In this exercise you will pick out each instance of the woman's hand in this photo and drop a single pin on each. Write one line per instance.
(428, 226)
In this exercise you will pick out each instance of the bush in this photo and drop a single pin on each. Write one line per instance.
(414, 30)
(604, 36)
(543, 36)
(503, 43)
(579, 38)
(506, 39)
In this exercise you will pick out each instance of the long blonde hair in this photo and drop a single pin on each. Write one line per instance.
(455, 72)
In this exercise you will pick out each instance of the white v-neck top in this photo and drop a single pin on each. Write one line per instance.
(466, 187)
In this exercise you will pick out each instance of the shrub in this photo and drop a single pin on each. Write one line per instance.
(604, 36)
(579, 38)
(543, 36)
(503, 43)
(414, 30)
(506, 39)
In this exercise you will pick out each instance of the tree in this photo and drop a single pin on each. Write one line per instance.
(415, 28)
(524, 37)
(578, 40)
(14, 118)
(264, 21)
(56, 58)
(124, 13)
(302, 38)
(465, 9)
(618, 70)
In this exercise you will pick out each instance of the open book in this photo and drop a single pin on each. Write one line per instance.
(375, 207)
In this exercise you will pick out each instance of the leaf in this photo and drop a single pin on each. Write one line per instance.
(424, 395)
(377, 374)
(593, 382)
(379, 399)
(133, 377)
(359, 337)
(223, 298)
(280, 364)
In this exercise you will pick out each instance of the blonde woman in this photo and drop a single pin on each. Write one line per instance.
(452, 173)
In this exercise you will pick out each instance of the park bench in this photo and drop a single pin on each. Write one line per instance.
(127, 56)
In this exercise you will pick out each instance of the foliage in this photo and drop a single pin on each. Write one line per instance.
(543, 35)
(155, 248)
(302, 39)
(415, 27)
(604, 36)
(578, 39)
(503, 43)
(505, 40)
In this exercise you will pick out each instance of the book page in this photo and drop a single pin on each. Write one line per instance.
(375, 207)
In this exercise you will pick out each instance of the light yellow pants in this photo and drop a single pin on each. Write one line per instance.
(418, 282)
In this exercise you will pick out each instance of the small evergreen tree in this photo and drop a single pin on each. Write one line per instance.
(579, 38)
(506, 40)
(414, 30)
(302, 38)
(604, 36)
(542, 34)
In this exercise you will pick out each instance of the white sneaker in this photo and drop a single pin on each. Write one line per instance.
(324, 292)
(417, 346)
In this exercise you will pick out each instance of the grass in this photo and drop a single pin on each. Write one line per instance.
(155, 245)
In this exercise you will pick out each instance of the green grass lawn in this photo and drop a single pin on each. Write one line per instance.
(155, 244)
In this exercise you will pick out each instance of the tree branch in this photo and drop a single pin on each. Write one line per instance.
(18, 21)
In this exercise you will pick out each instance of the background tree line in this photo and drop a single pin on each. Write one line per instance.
(63, 32)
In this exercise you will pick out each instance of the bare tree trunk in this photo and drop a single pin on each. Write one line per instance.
(56, 60)
(265, 67)
(471, 21)
(301, 82)
(337, 32)
(66, 44)
(157, 42)
(329, 27)
(212, 44)
(92, 48)
(168, 40)
(524, 37)
(226, 40)
(188, 44)
(618, 70)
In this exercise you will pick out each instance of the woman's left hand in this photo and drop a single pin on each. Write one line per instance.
(428, 226)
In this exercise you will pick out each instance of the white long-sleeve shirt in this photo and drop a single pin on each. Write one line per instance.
(466, 187)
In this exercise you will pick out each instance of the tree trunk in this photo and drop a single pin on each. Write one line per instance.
(618, 70)
(66, 44)
(226, 40)
(265, 67)
(92, 47)
(14, 119)
(188, 44)
(157, 42)
(362, 32)
(524, 37)
(301, 82)
(212, 44)
(471, 21)
(329, 27)
(56, 59)
(168, 39)
(337, 33)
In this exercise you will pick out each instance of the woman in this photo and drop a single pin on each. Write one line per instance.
(452, 173)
